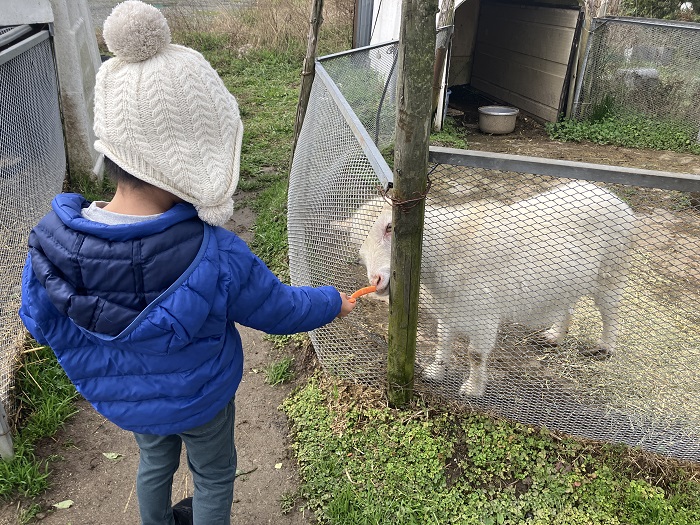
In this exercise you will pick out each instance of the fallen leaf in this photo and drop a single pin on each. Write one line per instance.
(278, 466)
(112, 455)
(65, 504)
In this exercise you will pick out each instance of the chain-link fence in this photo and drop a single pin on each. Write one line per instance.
(32, 169)
(649, 68)
(554, 293)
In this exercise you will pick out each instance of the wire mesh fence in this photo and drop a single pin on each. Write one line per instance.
(32, 169)
(596, 286)
(367, 80)
(644, 67)
(554, 293)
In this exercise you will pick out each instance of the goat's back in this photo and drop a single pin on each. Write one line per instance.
(527, 259)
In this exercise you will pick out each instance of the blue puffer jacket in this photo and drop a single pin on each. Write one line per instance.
(141, 316)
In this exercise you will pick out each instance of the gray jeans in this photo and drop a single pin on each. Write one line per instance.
(211, 456)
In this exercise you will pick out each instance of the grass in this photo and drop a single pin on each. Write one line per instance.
(609, 124)
(45, 399)
(450, 136)
(90, 188)
(28, 514)
(281, 26)
(364, 463)
(270, 237)
(280, 372)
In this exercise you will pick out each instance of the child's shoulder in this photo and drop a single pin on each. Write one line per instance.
(226, 238)
(235, 256)
(231, 243)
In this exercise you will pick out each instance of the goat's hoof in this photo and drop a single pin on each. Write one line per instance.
(435, 371)
(598, 353)
(545, 339)
(470, 389)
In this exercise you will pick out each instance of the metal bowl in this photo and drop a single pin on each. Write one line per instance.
(497, 120)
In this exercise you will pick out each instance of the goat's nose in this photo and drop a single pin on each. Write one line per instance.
(376, 280)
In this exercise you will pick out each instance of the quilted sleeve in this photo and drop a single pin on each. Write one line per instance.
(25, 311)
(258, 299)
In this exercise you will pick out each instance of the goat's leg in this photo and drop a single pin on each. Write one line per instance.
(446, 335)
(556, 334)
(481, 343)
(612, 278)
(608, 302)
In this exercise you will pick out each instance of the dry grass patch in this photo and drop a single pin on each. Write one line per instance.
(271, 25)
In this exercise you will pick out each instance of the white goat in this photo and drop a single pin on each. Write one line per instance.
(529, 262)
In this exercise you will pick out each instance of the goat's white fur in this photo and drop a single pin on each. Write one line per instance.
(529, 262)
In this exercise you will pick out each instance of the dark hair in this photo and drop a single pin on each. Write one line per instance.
(119, 176)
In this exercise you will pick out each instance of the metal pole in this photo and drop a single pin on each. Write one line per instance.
(6, 449)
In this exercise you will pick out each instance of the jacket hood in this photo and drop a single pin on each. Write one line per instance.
(121, 283)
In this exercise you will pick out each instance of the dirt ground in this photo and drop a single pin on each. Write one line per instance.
(102, 489)
(530, 138)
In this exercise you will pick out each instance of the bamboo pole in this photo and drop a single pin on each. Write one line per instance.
(308, 70)
(414, 89)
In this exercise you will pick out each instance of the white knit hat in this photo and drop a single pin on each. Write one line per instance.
(163, 114)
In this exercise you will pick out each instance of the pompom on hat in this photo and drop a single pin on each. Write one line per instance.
(163, 114)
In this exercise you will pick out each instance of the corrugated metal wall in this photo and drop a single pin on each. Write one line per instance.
(522, 55)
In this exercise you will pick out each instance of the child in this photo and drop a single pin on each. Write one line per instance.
(138, 296)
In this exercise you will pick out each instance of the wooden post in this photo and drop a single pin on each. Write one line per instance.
(308, 71)
(414, 88)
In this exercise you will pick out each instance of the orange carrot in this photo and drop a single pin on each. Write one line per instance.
(361, 292)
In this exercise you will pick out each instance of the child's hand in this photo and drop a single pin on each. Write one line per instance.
(347, 305)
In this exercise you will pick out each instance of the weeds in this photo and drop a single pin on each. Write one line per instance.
(272, 25)
(90, 188)
(450, 136)
(46, 400)
(27, 515)
(284, 342)
(289, 501)
(628, 130)
(364, 463)
(280, 372)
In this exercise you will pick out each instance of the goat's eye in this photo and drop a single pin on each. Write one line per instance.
(388, 229)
